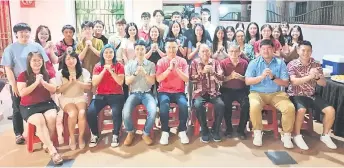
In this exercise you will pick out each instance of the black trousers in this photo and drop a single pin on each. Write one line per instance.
(240, 95)
(18, 125)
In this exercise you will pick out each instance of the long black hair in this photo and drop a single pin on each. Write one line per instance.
(194, 38)
(78, 68)
(300, 39)
(281, 37)
(267, 26)
(248, 35)
(127, 31)
(216, 39)
(30, 76)
(170, 33)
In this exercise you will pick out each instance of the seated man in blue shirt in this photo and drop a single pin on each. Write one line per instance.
(139, 76)
(266, 75)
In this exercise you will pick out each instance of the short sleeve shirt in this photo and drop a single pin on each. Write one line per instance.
(140, 83)
(90, 59)
(172, 83)
(15, 56)
(108, 85)
(74, 90)
(38, 95)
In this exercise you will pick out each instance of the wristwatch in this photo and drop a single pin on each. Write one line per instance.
(273, 77)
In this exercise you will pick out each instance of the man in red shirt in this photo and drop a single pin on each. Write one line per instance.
(206, 75)
(144, 31)
(172, 73)
(235, 89)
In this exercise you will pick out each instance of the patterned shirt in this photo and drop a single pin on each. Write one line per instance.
(62, 47)
(140, 83)
(206, 83)
(296, 68)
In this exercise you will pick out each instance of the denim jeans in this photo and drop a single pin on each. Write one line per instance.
(115, 101)
(219, 108)
(17, 120)
(240, 95)
(135, 99)
(180, 99)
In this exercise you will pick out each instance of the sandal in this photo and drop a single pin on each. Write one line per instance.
(57, 159)
(45, 148)
(72, 146)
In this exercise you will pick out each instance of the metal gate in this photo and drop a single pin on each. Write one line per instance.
(5, 30)
(107, 11)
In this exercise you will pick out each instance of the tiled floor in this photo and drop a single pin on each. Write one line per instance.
(229, 153)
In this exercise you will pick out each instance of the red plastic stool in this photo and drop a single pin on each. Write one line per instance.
(105, 126)
(271, 116)
(210, 117)
(66, 130)
(173, 116)
(32, 138)
(140, 112)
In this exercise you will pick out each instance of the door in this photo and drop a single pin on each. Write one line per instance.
(5, 30)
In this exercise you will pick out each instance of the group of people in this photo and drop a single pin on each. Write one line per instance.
(161, 62)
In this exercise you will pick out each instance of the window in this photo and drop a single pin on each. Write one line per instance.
(301, 8)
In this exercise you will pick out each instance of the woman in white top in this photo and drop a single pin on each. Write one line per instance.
(72, 80)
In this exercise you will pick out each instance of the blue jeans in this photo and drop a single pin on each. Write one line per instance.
(135, 99)
(115, 101)
(219, 108)
(180, 99)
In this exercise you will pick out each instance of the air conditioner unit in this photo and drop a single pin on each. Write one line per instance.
(248, 7)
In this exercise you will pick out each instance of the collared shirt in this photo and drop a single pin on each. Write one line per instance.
(296, 68)
(172, 83)
(277, 45)
(62, 47)
(206, 83)
(256, 67)
(228, 67)
(142, 34)
(140, 83)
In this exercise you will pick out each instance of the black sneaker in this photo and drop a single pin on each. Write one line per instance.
(205, 138)
(115, 141)
(228, 133)
(20, 139)
(94, 141)
(242, 135)
(216, 136)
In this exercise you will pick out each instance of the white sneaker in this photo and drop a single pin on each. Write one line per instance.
(257, 138)
(286, 139)
(328, 141)
(94, 141)
(184, 139)
(300, 142)
(164, 138)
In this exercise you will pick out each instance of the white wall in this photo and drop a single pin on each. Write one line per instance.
(52, 13)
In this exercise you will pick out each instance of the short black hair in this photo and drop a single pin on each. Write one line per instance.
(20, 27)
(195, 15)
(145, 15)
(121, 21)
(205, 10)
(99, 22)
(87, 24)
(140, 42)
(160, 11)
(305, 43)
(170, 39)
(267, 42)
(70, 27)
(176, 13)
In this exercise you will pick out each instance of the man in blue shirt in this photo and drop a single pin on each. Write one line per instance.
(14, 59)
(267, 75)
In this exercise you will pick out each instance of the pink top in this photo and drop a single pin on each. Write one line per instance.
(172, 83)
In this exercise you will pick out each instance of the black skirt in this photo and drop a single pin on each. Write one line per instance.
(27, 111)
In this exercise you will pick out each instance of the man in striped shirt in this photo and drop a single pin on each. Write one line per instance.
(305, 73)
